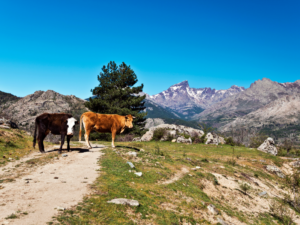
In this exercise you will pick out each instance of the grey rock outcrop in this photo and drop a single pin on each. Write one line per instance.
(4, 123)
(296, 164)
(173, 129)
(213, 138)
(268, 146)
(153, 122)
(181, 139)
(276, 170)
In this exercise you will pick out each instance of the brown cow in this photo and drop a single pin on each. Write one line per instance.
(56, 123)
(104, 123)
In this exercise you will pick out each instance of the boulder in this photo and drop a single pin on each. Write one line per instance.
(268, 146)
(213, 138)
(152, 122)
(296, 164)
(138, 139)
(276, 170)
(212, 209)
(172, 129)
(181, 139)
(4, 123)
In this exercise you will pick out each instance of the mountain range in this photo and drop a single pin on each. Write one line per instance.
(265, 106)
(187, 101)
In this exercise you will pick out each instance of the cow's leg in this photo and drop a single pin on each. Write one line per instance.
(68, 142)
(113, 135)
(62, 142)
(40, 142)
(87, 136)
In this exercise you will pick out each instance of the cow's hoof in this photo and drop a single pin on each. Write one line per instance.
(43, 152)
(89, 147)
(59, 152)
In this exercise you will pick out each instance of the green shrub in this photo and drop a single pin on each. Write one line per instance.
(158, 134)
(230, 141)
(245, 187)
(257, 140)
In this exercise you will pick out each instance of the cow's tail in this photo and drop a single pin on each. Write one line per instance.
(80, 127)
(34, 135)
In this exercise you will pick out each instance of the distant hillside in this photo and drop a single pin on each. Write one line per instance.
(25, 110)
(154, 110)
(279, 118)
(260, 93)
(6, 99)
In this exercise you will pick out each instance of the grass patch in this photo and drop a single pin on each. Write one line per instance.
(181, 201)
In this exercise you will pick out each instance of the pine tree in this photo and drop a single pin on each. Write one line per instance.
(116, 94)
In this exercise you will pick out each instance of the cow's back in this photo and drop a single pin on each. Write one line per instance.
(104, 122)
(53, 121)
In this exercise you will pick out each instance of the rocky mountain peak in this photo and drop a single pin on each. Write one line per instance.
(188, 101)
(183, 84)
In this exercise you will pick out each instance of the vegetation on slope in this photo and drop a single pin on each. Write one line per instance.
(14, 144)
(170, 191)
(7, 97)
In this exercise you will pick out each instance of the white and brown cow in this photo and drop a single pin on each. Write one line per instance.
(56, 123)
(104, 123)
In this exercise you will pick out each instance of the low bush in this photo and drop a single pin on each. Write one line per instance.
(245, 187)
(158, 134)
(230, 141)
(257, 140)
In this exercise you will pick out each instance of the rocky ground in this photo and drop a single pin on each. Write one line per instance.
(36, 187)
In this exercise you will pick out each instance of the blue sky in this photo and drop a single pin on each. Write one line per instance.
(62, 45)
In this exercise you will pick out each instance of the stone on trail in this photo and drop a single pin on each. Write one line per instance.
(268, 146)
(64, 155)
(263, 193)
(124, 201)
(212, 209)
(222, 221)
(138, 174)
(132, 154)
(130, 164)
(60, 208)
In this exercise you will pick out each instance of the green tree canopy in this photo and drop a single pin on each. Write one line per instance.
(116, 94)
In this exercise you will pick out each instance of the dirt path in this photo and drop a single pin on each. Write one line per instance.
(61, 183)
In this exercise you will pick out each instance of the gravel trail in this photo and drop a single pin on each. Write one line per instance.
(36, 195)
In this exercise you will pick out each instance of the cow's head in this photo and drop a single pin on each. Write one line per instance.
(128, 121)
(71, 125)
